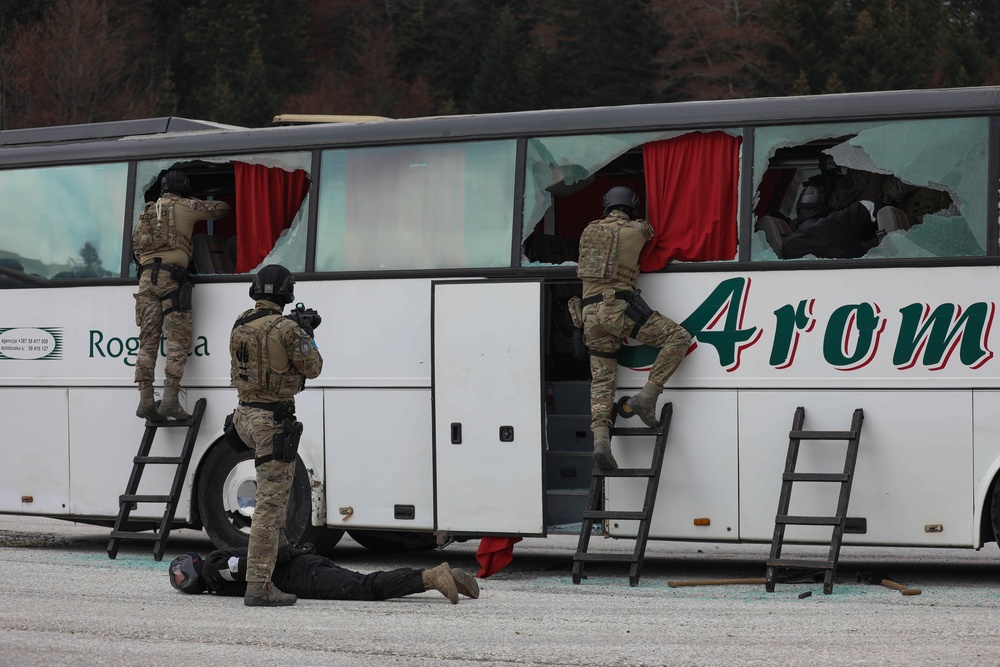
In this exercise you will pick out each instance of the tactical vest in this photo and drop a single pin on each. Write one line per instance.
(156, 232)
(251, 370)
(599, 261)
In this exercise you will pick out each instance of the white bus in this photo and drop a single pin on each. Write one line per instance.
(441, 254)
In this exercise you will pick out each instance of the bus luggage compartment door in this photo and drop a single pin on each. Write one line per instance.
(487, 396)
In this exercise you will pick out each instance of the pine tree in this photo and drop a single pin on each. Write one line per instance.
(497, 86)
(240, 58)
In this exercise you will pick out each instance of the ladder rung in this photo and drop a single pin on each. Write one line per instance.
(624, 472)
(641, 430)
(609, 514)
(801, 564)
(121, 534)
(616, 558)
(159, 459)
(133, 498)
(822, 435)
(815, 477)
(808, 520)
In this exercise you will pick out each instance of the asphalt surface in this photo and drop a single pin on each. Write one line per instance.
(63, 602)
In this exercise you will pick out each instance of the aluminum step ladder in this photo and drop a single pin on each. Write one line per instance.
(838, 521)
(126, 530)
(595, 499)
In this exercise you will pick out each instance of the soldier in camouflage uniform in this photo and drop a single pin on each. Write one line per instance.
(272, 356)
(161, 244)
(609, 267)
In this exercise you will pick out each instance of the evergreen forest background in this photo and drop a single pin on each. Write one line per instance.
(244, 61)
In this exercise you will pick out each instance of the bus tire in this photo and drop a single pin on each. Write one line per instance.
(388, 541)
(227, 486)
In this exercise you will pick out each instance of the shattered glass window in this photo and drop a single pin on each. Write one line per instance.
(214, 178)
(927, 180)
(565, 180)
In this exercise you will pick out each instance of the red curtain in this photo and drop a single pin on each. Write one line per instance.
(267, 199)
(692, 190)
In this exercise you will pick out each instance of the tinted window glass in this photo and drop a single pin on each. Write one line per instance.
(416, 207)
(63, 222)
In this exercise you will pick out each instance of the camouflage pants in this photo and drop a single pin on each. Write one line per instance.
(176, 325)
(274, 484)
(605, 326)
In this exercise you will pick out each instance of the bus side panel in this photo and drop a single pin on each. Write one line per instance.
(35, 445)
(700, 475)
(105, 436)
(986, 433)
(913, 475)
(380, 458)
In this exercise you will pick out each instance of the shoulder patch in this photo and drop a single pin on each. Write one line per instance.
(305, 347)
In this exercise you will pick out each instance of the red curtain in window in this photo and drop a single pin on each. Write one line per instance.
(692, 192)
(267, 199)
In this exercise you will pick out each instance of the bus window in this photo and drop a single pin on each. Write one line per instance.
(929, 176)
(63, 223)
(687, 181)
(432, 206)
(268, 195)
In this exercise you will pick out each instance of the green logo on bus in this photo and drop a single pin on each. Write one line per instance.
(850, 336)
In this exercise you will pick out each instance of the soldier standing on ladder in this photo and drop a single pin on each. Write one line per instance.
(161, 246)
(612, 309)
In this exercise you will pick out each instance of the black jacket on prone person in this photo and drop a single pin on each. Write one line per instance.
(309, 576)
(839, 235)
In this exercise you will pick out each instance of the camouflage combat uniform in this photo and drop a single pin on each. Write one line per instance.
(605, 322)
(271, 359)
(163, 272)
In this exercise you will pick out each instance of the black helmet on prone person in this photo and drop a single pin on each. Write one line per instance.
(177, 182)
(185, 574)
(274, 283)
(622, 199)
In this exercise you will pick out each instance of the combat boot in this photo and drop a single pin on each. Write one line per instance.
(147, 406)
(644, 404)
(602, 449)
(265, 594)
(170, 406)
(465, 583)
(441, 579)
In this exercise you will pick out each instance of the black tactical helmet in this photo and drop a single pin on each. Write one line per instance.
(623, 199)
(185, 574)
(177, 182)
(274, 283)
(812, 202)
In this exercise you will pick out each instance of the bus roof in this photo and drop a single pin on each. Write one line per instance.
(177, 136)
(110, 130)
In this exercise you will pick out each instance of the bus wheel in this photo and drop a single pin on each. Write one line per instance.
(227, 489)
(386, 541)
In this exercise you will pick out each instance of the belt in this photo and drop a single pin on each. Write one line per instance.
(267, 406)
(624, 295)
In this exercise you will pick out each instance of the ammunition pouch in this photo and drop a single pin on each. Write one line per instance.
(232, 437)
(285, 444)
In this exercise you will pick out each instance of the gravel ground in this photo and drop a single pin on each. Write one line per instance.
(63, 602)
